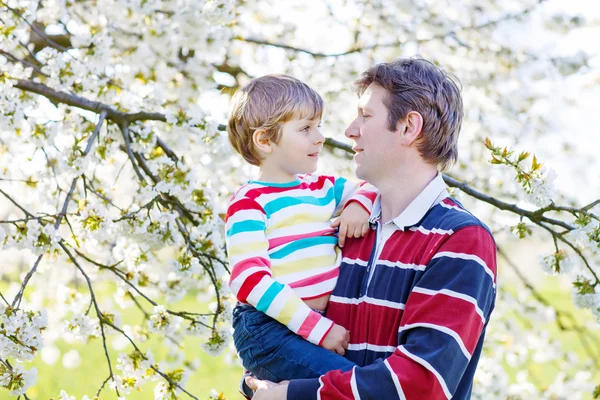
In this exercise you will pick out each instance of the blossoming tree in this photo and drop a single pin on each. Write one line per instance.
(115, 169)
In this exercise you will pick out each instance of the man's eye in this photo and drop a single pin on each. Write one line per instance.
(366, 116)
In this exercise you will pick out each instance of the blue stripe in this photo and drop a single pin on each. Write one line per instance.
(393, 283)
(303, 244)
(462, 276)
(267, 298)
(287, 201)
(340, 184)
(441, 351)
(349, 280)
(444, 218)
(246, 226)
(375, 382)
(366, 357)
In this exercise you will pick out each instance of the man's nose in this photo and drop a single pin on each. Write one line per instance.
(352, 130)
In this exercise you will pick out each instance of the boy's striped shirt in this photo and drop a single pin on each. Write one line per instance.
(417, 312)
(283, 250)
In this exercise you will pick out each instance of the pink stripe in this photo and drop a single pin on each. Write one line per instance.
(309, 324)
(313, 280)
(246, 264)
(278, 241)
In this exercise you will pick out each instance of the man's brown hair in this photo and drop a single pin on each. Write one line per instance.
(265, 104)
(416, 84)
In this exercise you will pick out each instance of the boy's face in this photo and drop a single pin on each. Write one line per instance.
(298, 149)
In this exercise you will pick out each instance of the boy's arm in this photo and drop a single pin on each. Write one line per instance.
(347, 191)
(251, 280)
(441, 329)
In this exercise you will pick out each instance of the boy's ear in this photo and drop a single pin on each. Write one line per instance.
(410, 127)
(261, 142)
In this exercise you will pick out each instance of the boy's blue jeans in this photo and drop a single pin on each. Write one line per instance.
(269, 350)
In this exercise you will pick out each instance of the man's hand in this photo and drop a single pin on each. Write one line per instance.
(337, 339)
(353, 222)
(266, 390)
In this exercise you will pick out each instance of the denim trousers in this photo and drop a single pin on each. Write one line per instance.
(269, 350)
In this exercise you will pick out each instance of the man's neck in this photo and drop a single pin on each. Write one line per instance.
(399, 191)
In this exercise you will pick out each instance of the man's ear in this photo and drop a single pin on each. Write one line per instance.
(261, 141)
(410, 127)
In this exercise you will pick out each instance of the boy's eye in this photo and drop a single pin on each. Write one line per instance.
(365, 116)
(305, 129)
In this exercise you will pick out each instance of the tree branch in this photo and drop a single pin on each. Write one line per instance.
(96, 307)
(395, 43)
(63, 212)
(94, 106)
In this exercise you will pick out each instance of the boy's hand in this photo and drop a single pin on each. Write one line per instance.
(353, 222)
(337, 339)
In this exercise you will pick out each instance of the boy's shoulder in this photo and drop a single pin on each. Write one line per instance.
(244, 191)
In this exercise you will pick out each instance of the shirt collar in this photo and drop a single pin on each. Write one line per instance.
(433, 193)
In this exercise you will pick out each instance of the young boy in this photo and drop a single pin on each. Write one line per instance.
(282, 247)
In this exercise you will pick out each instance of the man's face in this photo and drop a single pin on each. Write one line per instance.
(375, 145)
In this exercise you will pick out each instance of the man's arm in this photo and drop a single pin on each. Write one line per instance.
(440, 331)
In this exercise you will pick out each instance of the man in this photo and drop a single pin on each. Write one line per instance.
(417, 291)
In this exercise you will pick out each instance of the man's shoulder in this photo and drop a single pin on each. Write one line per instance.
(450, 215)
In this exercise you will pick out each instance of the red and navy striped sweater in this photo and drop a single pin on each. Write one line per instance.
(417, 316)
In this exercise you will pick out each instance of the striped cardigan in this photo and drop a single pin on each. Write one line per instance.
(417, 308)
(283, 250)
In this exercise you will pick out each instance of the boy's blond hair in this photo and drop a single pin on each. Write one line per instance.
(265, 104)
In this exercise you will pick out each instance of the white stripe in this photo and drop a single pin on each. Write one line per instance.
(357, 261)
(454, 294)
(464, 256)
(259, 290)
(278, 303)
(436, 231)
(440, 328)
(245, 237)
(353, 385)
(306, 253)
(395, 380)
(237, 283)
(316, 289)
(401, 265)
(286, 279)
(250, 214)
(298, 318)
(364, 200)
(323, 212)
(448, 206)
(371, 347)
(302, 228)
(321, 384)
(319, 330)
(265, 198)
(368, 300)
(429, 368)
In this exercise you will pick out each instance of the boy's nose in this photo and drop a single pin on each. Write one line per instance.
(320, 138)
